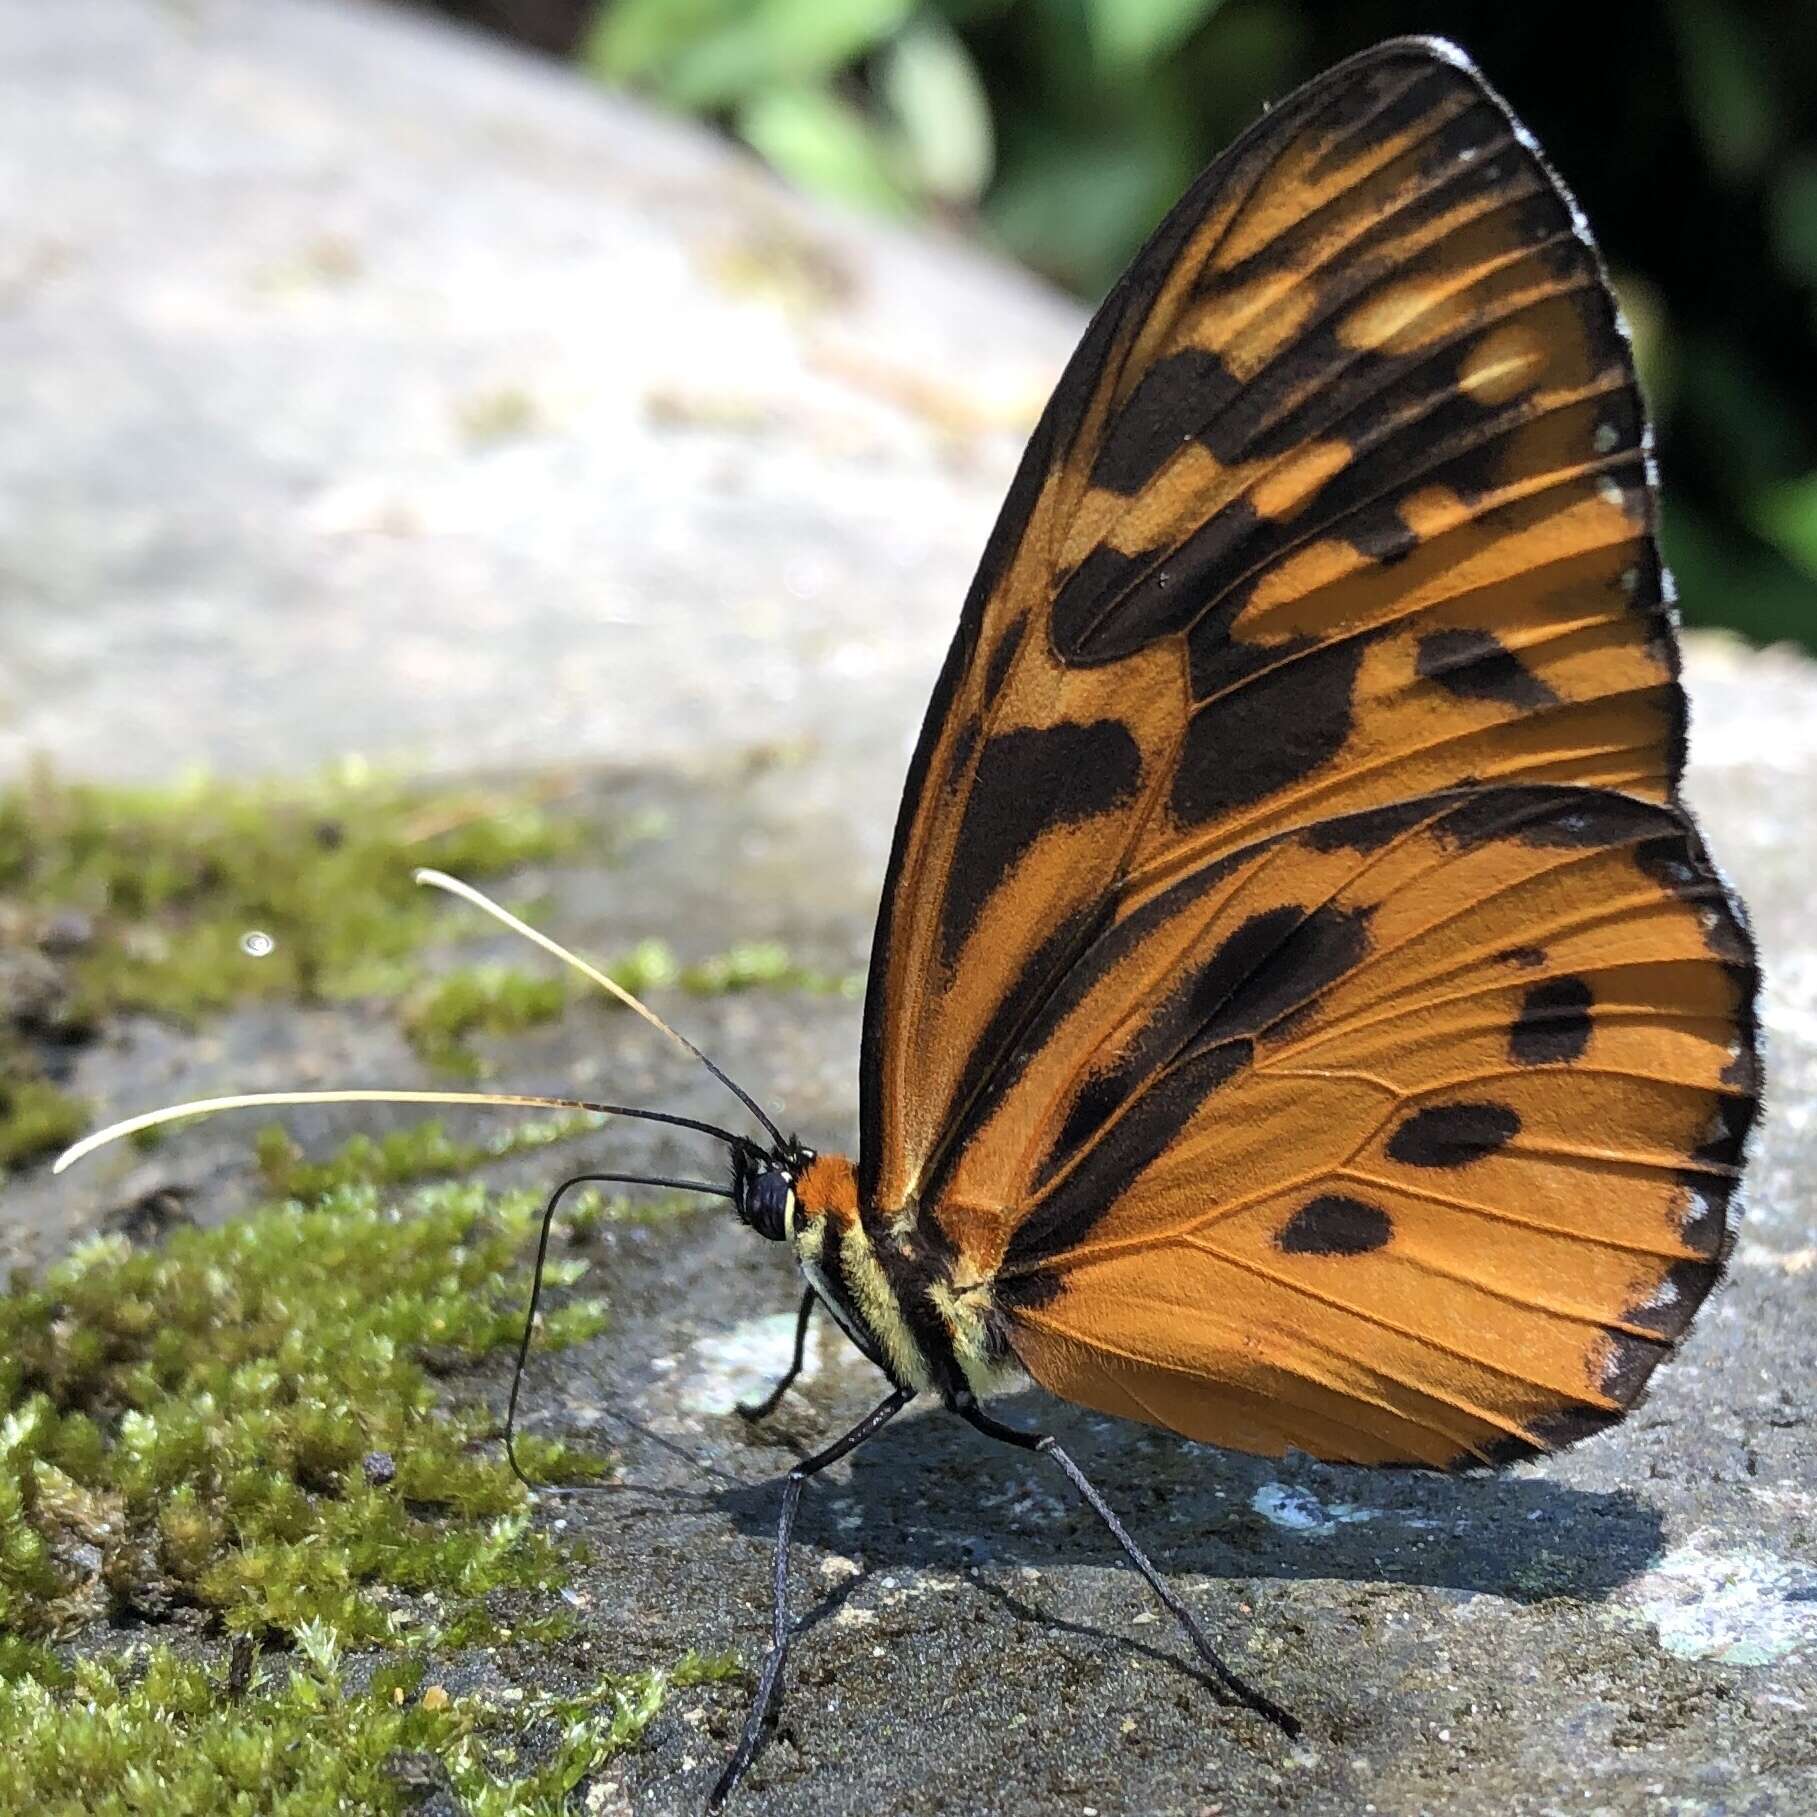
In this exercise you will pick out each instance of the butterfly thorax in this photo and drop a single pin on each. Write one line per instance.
(892, 1292)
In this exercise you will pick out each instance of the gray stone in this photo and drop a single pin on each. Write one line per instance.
(374, 389)
(378, 390)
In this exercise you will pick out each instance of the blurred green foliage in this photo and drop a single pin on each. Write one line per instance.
(1063, 129)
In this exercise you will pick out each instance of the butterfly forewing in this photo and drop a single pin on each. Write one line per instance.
(1324, 607)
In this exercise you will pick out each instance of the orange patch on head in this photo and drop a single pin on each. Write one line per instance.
(828, 1187)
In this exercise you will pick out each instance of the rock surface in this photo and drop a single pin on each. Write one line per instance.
(376, 390)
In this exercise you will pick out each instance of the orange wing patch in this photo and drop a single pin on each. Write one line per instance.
(1299, 998)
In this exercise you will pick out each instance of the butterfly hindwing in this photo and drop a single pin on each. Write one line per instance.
(1412, 1140)
(1299, 1002)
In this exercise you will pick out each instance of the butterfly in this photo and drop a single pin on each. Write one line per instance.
(1302, 1014)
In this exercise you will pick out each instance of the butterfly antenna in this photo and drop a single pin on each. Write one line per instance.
(202, 1107)
(455, 887)
(536, 1294)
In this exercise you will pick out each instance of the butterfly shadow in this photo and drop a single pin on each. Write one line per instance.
(929, 1493)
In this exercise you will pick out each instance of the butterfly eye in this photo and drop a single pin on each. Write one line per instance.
(763, 1201)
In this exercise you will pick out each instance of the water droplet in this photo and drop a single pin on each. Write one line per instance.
(256, 944)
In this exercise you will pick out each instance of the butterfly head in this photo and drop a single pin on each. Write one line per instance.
(763, 1184)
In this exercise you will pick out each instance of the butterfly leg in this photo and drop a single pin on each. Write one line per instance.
(768, 1405)
(769, 1685)
(1048, 1446)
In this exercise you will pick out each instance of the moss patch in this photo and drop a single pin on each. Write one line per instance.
(421, 1151)
(245, 1423)
(442, 1017)
(183, 901)
(36, 1119)
(170, 882)
(151, 1731)
(587, 1212)
(754, 965)
(248, 1429)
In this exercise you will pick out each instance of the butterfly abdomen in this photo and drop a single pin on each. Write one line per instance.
(893, 1291)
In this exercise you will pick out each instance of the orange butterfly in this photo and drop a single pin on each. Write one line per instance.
(1302, 1012)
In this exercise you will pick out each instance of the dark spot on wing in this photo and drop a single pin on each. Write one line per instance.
(1553, 1432)
(1742, 1069)
(1677, 861)
(1627, 1363)
(1085, 597)
(1271, 732)
(1170, 403)
(1667, 1311)
(1039, 1287)
(1372, 828)
(1380, 532)
(1001, 1052)
(1333, 1225)
(1262, 977)
(1389, 104)
(1113, 605)
(1551, 814)
(1209, 1003)
(996, 672)
(1476, 665)
(1526, 957)
(1327, 943)
(1708, 1185)
(1453, 1135)
(1554, 1023)
(1147, 1129)
(1703, 1213)
(1100, 1097)
(1029, 781)
(1720, 1152)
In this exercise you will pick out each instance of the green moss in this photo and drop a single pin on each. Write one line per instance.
(168, 888)
(152, 1731)
(587, 1212)
(442, 1016)
(174, 880)
(764, 964)
(252, 1424)
(36, 1119)
(477, 1624)
(422, 1151)
(190, 1426)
